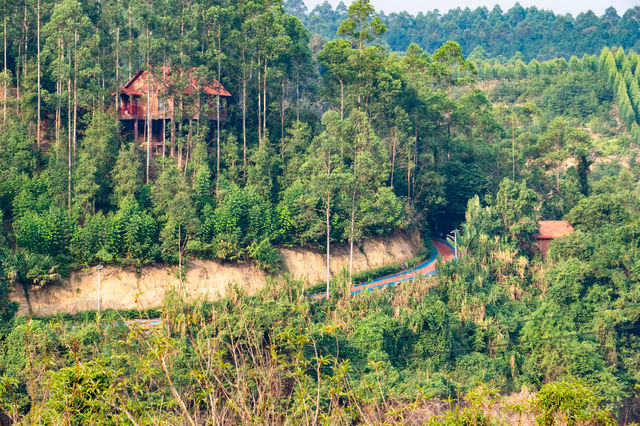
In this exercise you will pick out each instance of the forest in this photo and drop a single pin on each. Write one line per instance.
(534, 33)
(332, 135)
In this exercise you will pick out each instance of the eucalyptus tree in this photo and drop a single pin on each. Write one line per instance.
(334, 56)
(367, 157)
(361, 27)
(326, 176)
(269, 41)
(67, 34)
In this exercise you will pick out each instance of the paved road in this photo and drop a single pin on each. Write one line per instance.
(428, 267)
(441, 248)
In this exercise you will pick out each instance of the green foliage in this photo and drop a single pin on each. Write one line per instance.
(383, 142)
(548, 34)
(571, 403)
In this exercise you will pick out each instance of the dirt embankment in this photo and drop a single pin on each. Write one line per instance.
(128, 288)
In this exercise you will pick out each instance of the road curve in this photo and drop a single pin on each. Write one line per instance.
(441, 249)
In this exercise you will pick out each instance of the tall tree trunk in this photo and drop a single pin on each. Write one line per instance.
(187, 151)
(351, 234)
(297, 93)
(327, 213)
(59, 98)
(75, 90)
(179, 146)
(259, 103)
(173, 128)
(353, 209)
(18, 79)
(26, 43)
(148, 123)
(218, 117)
(148, 128)
(4, 99)
(341, 100)
(118, 57)
(38, 37)
(130, 37)
(282, 121)
(513, 150)
(264, 98)
(70, 140)
(164, 138)
(244, 118)
(393, 154)
(184, 294)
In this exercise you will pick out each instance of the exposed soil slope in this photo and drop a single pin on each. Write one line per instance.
(128, 288)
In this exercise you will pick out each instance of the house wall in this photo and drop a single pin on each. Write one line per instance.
(140, 85)
(543, 244)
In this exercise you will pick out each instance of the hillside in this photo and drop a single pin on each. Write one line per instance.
(146, 288)
(201, 142)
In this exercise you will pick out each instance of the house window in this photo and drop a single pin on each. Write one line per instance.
(162, 104)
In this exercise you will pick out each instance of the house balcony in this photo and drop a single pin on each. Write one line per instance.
(129, 111)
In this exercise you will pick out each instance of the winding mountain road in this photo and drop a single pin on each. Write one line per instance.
(440, 248)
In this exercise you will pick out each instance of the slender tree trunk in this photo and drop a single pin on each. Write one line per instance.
(130, 37)
(179, 147)
(393, 155)
(282, 122)
(173, 128)
(297, 93)
(39, 87)
(218, 117)
(351, 235)
(341, 100)
(148, 123)
(244, 120)
(59, 96)
(117, 57)
(164, 138)
(75, 90)
(259, 103)
(184, 294)
(264, 97)
(327, 213)
(187, 151)
(26, 43)
(70, 147)
(353, 209)
(18, 79)
(513, 151)
(4, 99)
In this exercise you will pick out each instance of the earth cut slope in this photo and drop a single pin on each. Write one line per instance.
(143, 288)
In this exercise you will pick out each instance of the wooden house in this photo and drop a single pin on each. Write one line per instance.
(548, 230)
(159, 90)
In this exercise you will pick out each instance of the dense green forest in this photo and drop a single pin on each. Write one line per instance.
(325, 142)
(532, 32)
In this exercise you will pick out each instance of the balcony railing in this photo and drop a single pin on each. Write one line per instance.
(129, 111)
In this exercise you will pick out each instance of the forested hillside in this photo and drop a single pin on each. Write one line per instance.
(535, 33)
(322, 142)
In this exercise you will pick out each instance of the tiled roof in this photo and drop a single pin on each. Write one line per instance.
(548, 229)
(212, 87)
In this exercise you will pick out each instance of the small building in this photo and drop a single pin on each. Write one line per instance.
(548, 230)
(199, 97)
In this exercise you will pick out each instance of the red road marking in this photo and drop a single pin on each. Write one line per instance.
(444, 251)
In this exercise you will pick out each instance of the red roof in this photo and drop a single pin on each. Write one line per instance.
(549, 229)
(131, 92)
(212, 87)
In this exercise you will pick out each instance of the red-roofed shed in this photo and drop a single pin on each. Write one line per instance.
(548, 230)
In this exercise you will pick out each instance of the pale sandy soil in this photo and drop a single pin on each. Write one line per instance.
(128, 288)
